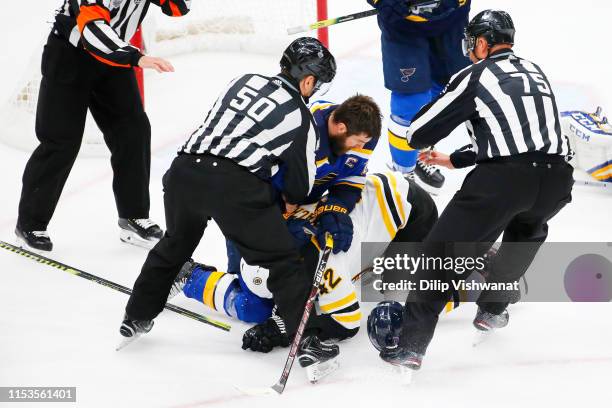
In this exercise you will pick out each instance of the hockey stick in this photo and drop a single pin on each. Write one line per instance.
(331, 21)
(101, 281)
(607, 187)
(279, 387)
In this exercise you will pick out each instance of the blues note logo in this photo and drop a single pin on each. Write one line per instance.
(407, 73)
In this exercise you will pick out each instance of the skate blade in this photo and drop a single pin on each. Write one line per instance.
(130, 237)
(405, 374)
(316, 372)
(480, 337)
(257, 391)
(126, 341)
(23, 244)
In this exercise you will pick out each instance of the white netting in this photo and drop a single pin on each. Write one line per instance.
(255, 26)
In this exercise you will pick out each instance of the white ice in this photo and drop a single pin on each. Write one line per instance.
(59, 330)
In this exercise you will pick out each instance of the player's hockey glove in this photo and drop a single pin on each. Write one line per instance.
(265, 336)
(297, 227)
(333, 217)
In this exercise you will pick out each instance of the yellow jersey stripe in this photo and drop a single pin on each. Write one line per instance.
(399, 203)
(319, 107)
(359, 186)
(383, 208)
(209, 290)
(417, 19)
(345, 301)
(348, 318)
(321, 162)
(364, 151)
(398, 142)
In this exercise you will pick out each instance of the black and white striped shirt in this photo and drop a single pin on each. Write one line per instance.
(105, 27)
(507, 104)
(262, 123)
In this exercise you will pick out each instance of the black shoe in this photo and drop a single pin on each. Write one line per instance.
(402, 357)
(485, 321)
(140, 231)
(318, 357)
(36, 240)
(429, 177)
(131, 328)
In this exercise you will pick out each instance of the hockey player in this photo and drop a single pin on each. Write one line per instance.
(87, 65)
(391, 209)
(421, 50)
(256, 125)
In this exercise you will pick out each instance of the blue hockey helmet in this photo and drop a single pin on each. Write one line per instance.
(385, 325)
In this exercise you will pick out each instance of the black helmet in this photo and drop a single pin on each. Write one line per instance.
(307, 56)
(495, 26)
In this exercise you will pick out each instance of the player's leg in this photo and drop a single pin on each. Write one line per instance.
(60, 122)
(117, 107)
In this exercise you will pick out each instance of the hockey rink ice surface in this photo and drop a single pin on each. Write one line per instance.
(59, 330)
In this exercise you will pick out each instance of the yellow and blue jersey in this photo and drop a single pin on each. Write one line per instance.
(342, 176)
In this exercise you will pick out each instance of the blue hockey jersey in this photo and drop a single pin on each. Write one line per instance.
(343, 177)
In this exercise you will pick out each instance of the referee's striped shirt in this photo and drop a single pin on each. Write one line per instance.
(262, 123)
(105, 27)
(507, 104)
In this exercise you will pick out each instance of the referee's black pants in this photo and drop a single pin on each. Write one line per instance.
(200, 187)
(516, 196)
(72, 82)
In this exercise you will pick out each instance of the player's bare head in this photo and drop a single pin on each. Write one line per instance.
(487, 32)
(309, 64)
(354, 123)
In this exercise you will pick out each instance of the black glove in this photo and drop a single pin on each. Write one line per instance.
(333, 217)
(265, 336)
(296, 228)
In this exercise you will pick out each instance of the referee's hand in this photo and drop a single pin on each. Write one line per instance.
(158, 64)
(436, 158)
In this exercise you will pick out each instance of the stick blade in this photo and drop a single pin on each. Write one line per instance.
(257, 391)
(298, 29)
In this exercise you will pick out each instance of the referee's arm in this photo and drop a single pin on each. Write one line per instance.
(300, 163)
(439, 118)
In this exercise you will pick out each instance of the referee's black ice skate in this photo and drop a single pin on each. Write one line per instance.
(486, 323)
(404, 360)
(429, 177)
(141, 232)
(319, 358)
(33, 240)
(132, 329)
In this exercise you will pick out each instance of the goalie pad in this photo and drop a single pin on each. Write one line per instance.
(590, 137)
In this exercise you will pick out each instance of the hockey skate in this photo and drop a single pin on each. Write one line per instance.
(319, 358)
(132, 329)
(141, 232)
(486, 323)
(36, 241)
(404, 361)
(429, 177)
(185, 274)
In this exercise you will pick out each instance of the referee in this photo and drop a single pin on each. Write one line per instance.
(223, 172)
(87, 65)
(521, 179)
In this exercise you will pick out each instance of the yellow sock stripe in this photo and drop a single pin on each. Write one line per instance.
(449, 306)
(209, 290)
(383, 208)
(345, 301)
(415, 18)
(599, 173)
(398, 142)
(398, 198)
(348, 318)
